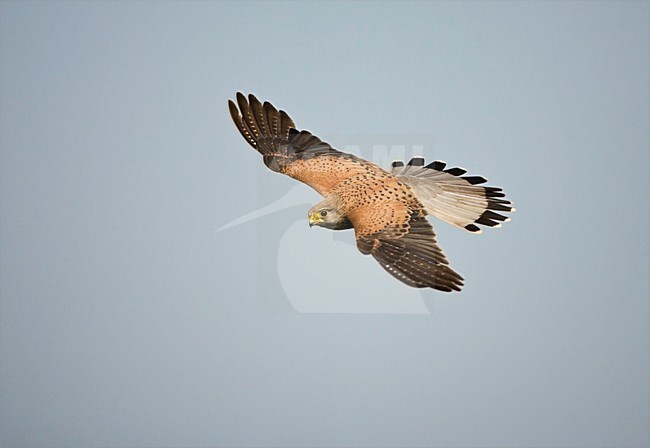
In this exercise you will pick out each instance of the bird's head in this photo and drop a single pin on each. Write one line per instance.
(326, 215)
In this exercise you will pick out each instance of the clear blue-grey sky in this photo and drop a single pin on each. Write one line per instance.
(128, 320)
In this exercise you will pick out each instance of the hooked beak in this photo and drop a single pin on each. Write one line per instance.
(313, 220)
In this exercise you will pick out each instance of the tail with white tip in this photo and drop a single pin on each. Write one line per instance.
(454, 198)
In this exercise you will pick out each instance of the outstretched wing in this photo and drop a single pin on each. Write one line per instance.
(449, 195)
(400, 238)
(286, 150)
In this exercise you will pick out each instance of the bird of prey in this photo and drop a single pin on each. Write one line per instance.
(386, 209)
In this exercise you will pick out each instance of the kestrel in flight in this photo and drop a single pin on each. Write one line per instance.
(386, 209)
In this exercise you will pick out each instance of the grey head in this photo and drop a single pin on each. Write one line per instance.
(329, 214)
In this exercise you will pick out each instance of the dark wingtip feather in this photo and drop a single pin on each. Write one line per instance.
(258, 115)
(495, 216)
(455, 171)
(286, 123)
(475, 180)
(271, 116)
(416, 161)
(397, 164)
(493, 193)
(491, 219)
(492, 205)
(247, 117)
(232, 107)
(437, 165)
(241, 124)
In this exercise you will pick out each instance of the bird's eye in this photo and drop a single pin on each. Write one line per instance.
(323, 213)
